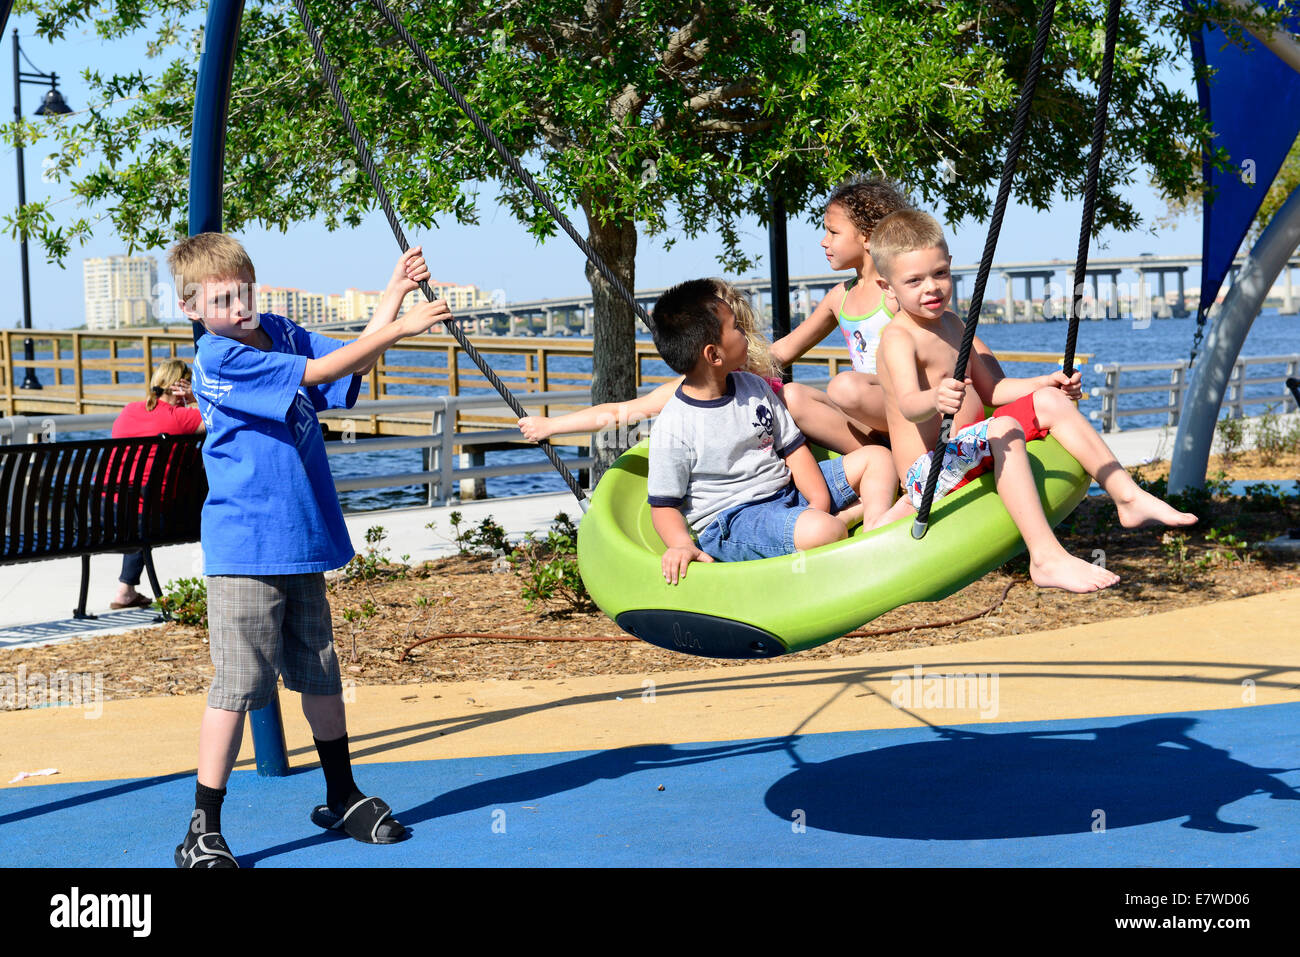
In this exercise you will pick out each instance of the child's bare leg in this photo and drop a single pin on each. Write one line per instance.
(1058, 414)
(814, 528)
(900, 509)
(823, 421)
(1050, 565)
(870, 472)
(861, 397)
(220, 735)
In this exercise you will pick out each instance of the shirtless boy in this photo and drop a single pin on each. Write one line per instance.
(916, 359)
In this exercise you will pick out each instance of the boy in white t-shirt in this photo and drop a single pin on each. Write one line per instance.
(728, 464)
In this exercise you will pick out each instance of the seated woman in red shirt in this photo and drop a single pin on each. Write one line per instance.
(168, 409)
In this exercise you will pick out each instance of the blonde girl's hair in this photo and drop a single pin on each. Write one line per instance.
(868, 200)
(168, 373)
(205, 256)
(760, 361)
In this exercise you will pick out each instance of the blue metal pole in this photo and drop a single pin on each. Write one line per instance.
(207, 159)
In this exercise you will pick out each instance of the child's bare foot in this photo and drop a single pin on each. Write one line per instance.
(1143, 508)
(1063, 570)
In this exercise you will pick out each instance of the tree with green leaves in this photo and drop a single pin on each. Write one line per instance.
(647, 116)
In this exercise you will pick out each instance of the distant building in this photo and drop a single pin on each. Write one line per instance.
(356, 305)
(296, 304)
(119, 291)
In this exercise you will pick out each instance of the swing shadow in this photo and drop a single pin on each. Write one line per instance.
(974, 785)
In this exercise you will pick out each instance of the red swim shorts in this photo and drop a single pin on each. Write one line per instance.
(1022, 410)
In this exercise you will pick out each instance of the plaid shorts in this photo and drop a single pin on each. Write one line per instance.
(268, 625)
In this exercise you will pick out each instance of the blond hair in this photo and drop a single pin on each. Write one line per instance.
(905, 231)
(759, 360)
(168, 373)
(206, 256)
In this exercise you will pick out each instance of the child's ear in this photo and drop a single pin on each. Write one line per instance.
(883, 283)
(712, 354)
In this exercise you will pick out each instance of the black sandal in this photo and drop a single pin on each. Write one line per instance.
(369, 821)
(209, 851)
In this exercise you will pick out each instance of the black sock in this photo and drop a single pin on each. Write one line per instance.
(206, 818)
(335, 761)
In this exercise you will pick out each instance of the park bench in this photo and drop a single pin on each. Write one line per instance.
(101, 495)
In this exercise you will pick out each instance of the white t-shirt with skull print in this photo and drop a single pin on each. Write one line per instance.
(708, 455)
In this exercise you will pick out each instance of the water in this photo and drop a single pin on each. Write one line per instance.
(1119, 340)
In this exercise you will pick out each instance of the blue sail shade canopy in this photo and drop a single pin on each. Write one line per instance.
(1252, 99)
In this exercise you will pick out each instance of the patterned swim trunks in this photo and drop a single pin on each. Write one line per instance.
(966, 450)
(968, 455)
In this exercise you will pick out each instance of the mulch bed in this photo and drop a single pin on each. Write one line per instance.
(377, 619)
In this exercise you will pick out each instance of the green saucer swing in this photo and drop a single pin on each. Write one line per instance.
(776, 606)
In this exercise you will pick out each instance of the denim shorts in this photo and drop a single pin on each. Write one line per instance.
(765, 529)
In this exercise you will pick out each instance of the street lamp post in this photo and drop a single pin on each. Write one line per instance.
(53, 104)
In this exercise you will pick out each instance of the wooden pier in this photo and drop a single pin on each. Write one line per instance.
(97, 372)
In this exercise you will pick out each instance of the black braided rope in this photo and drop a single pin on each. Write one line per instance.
(524, 177)
(921, 524)
(367, 161)
(1080, 273)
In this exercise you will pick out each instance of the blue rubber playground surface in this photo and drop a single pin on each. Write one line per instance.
(1199, 789)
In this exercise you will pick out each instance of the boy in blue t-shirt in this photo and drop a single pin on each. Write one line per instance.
(272, 524)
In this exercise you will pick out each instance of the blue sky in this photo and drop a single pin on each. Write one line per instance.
(497, 253)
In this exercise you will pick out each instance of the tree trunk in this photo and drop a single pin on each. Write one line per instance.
(614, 350)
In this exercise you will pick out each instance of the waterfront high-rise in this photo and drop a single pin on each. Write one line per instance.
(119, 291)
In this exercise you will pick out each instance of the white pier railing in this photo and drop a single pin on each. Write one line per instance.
(1267, 390)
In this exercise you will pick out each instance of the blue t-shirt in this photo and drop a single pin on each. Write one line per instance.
(271, 506)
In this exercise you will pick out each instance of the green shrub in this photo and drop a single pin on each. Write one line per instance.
(1232, 439)
(186, 600)
(548, 567)
(485, 540)
(1272, 439)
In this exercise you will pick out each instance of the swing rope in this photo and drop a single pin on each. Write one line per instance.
(367, 161)
(1080, 273)
(922, 521)
(522, 174)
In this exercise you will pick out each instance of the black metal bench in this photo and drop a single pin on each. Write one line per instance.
(101, 495)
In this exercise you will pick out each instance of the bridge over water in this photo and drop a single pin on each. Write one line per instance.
(1141, 287)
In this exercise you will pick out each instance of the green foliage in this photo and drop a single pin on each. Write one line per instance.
(484, 540)
(654, 114)
(1177, 556)
(548, 568)
(1232, 439)
(186, 600)
(1224, 548)
(1272, 438)
(374, 563)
